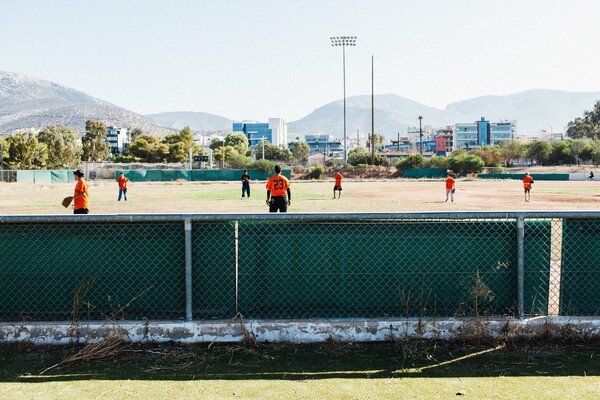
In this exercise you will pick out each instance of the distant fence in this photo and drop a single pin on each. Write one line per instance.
(137, 175)
(535, 176)
(419, 173)
(294, 266)
(195, 175)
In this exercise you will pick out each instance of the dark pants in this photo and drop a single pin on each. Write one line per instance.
(245, 188)
(81, 211)
(278, 203)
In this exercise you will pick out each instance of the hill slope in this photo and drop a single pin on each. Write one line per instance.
(198, 121)
(30, 103)
(534, 110)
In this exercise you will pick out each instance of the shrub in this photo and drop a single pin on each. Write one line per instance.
(262, 165)
(317, 172)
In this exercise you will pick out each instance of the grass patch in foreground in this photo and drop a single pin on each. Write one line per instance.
(331, 370)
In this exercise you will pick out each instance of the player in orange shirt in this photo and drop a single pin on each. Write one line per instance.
(81, 196)
(527, 182)
(122, 186)
(278, 186)
(450, 187)
(338, 184)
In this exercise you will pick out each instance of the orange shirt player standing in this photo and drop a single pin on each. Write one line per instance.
(279, 196)
(122, 186)
(450, 187)
(527, 181)
(81, 196)
(338, 184)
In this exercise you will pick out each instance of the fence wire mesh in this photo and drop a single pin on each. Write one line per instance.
(304, 266)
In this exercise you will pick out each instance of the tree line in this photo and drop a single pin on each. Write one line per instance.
(60, 147)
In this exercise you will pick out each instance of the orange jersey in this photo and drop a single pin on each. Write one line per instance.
(449, 183)
(338, 179)
(81, 202)
(278, 185)
(527, 182)
(122, 182)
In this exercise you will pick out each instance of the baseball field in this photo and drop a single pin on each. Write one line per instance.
(395, 369)
(307, 196)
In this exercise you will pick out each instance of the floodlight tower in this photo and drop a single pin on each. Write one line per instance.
(344, 41)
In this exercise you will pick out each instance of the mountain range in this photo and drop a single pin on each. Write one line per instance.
(30, 103)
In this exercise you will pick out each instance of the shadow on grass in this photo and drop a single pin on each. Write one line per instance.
(23, 363)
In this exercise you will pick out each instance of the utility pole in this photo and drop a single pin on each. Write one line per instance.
(372, 113)
(420, 135)
(398, 142)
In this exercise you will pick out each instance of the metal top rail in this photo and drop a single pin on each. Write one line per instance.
(296, 216)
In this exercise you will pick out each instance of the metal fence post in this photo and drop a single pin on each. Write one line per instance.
(237, 267)
(521, 266)
(188, 269)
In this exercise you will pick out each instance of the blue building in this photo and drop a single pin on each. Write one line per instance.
(275, 131)
(483, 133)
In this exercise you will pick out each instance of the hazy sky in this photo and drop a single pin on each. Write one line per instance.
(256, 59)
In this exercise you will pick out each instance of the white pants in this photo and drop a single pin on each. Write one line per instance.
(449, 194)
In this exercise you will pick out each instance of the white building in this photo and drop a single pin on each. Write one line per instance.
(117, 139)
(278, 129)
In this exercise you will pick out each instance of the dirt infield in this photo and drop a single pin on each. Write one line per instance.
(307, 196)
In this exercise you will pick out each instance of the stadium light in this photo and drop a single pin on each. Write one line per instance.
(343, 41)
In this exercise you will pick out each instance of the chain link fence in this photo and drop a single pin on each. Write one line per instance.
(296, 266)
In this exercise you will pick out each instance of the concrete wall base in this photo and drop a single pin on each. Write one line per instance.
(300, 331)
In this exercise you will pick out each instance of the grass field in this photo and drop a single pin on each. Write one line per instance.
(307, 196)
(333, 370)
(389, 370)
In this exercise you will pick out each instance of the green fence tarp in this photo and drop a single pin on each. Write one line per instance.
(64, 176)
(419, 173)
(153, 175)
(535, 176)
(317, 272)
(39, 284)
(42, 176)
(158, 175)
(213, 277)
(580, 272)
(24, 176)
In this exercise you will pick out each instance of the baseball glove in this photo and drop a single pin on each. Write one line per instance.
(67, 201)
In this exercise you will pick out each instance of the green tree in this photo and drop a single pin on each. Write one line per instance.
(272, 152)
(262, 165)
(238, 161)
(26, 152)
(3, 152)
(64, 150)
(238, 141)
(511, 151)
(578, 148)
(539, 151)
(412, 161)
(436, 162)
(378, 141)
(587, 126)
(148, 148)
(360, 156)
(135, 133)
(468, 164)
(300, 150)
(179, 145)
(491, 156)
(94, 142)
(561, 154)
